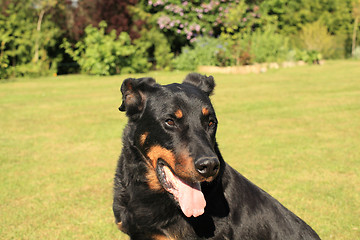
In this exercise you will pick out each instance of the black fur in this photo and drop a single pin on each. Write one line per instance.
(235, 207)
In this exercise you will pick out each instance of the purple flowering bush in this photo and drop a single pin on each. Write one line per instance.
(190, 19)
(184, 22)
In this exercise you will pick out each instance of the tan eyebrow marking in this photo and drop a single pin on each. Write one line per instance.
(143, 137)
(179, 113)
(205, 111)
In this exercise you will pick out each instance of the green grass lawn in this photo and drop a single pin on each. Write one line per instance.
(294, 132)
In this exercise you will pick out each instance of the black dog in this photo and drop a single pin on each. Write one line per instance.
(171, 181)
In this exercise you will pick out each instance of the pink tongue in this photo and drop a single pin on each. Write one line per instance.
(190, 198)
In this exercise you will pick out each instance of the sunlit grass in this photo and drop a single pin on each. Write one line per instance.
(294, 132)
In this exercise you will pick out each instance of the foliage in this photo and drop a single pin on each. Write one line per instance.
(239, 26)
(187, 18)
(253, 30)
(16, 32)
(184, 21)
(245, 18)
(247, 47)
(239, 45)
(4, 62)
(75, 16)
(315, 37)
(268, 46)
(293, 15)
(106, 54)
(240, 49)
(206, 51)
(152, 40)
(156, 45)
(308, 56)
(32, 69)
(18, 36)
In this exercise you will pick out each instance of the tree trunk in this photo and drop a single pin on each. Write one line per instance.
(354, 36)
(38, 29)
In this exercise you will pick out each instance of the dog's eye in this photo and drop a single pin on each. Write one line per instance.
(170, 122)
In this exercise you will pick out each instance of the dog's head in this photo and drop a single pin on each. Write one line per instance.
(174, 128)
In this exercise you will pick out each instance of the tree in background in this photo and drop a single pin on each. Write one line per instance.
(21, 42)
(76, 16)
(293, 15)
(42, 7)
(73, 16)
(17, 25)
(356, 14)
(118, 17)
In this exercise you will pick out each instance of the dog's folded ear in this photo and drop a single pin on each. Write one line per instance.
(205, 83)
(134, 94)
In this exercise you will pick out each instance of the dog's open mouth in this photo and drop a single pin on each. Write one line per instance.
(188, 195)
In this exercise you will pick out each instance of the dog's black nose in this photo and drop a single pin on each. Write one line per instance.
(207, 167)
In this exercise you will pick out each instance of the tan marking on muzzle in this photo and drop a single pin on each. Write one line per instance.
(185, 168)
(153, 180)
(120, 227)
(157, 152)
(161, 237)
(154, 154)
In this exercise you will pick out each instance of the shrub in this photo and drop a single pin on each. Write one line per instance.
(101, 54)
(156, 45)
(186, 60)
(4, 62)
(206, 51)
(187, 20)
(239, 47)
(314, 37)
(268, 46)
(309, 56)
(4, 71)
(45, 67)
